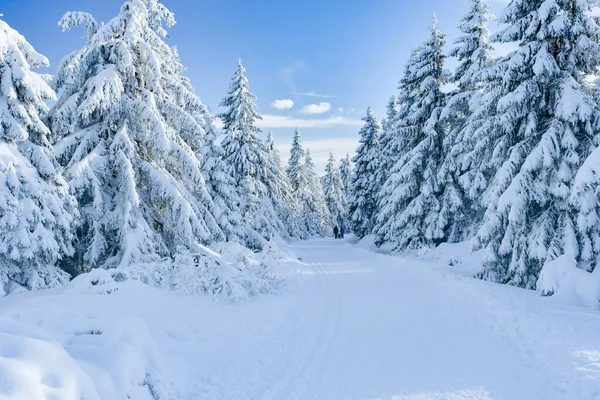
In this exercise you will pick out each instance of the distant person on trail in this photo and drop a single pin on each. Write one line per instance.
(342, 232)
(335, 232)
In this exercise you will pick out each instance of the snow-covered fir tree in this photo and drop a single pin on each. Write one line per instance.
(272, 150)
(472, 48)
(345, 173)
(128, 129)
(36, 210)
(266, 201)
(306, 189)
(387, 139)
(542, 202)
(460, 175)
(333, 189)
(319, 219)
(409, 206)
(223, 190)
(362, 195)
(295, 170)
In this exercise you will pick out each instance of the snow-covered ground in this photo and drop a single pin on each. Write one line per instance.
(352, 324)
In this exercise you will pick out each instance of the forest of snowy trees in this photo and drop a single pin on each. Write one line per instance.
(127, 167)
(507, 159)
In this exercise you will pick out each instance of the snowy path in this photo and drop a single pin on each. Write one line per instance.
(391, 328)
(352, 325)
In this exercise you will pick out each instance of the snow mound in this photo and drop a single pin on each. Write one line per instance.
(562, 279)
(28, 367)
(367, 242)
(48, 351)
(229, 272)
(98, 281)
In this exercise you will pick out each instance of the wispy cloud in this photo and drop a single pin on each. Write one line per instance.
(282, 104)
(320, 108)
(312, 93)
(288, 74)
(279, 121)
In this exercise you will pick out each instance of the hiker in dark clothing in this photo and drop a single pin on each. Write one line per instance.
(342, 232)
(335, 232)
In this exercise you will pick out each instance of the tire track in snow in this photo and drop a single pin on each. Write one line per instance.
(297, 380)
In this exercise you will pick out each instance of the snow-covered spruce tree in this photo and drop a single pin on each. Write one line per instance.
(319, 219)
(295, 170)
(409, 206)
(538, 205)
(345, 173)
(223, 190)
(334, 192)
(299, 183)
(461, 177)
(386, 155)
(266, 201)
(395, 136)
(288, 206)
(127, 128)
(362, 196)
(36, 210)
(272, 151)
(306, 190)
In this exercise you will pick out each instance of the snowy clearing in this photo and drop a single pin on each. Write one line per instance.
(352, 324)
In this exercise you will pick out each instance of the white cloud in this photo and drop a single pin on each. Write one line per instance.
(282, 104)
(316, 108)
(279, 121)
(341, 110)
(312, 93)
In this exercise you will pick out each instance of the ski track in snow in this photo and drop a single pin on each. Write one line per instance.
(353, 325)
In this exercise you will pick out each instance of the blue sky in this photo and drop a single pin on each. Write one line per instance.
(331, 58)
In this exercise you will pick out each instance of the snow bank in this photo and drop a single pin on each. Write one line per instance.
(49, 350)
(562, 279)
(229, 271)
(28, 366)
(108, 334)
(457, 256)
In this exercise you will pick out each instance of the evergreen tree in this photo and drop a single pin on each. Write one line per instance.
(265, 192)
(295, 171)
(36, 210)
(362, 197)
(334, 191)
(462, 177)
(306, 190)
(128, 129)
(386, 153)
(345, 173)
(272, 151)
(299, 183)
(223, 190)
(541, 202)
(319, 218)
(409, 205)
